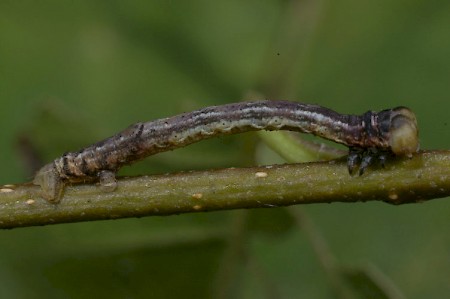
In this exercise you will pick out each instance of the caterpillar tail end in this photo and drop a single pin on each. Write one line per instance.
(52, 186)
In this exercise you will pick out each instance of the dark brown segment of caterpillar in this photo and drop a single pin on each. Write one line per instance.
(389, 131)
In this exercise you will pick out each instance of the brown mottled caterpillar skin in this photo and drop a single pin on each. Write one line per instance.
(392, 131)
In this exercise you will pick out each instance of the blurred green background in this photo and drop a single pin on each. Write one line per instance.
(74, 72)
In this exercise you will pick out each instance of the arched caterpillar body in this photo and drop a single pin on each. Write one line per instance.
(370, 134)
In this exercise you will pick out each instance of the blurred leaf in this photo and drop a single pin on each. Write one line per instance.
(273, 222)
(369, 282)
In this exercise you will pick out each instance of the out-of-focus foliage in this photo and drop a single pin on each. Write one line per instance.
(73, 72)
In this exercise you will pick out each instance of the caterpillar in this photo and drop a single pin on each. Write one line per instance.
(368, 136)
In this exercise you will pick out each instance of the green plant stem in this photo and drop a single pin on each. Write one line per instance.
(425, 176)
